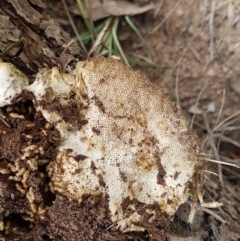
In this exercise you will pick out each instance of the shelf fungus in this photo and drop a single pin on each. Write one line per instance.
(121, 137)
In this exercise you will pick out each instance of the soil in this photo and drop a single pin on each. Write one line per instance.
(197, 45)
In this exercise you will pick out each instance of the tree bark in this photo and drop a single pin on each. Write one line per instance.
(43, 39)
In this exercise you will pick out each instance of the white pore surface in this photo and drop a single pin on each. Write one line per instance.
(133, 142)
(12, 82)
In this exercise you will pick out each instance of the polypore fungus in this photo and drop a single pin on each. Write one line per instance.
(122, 137)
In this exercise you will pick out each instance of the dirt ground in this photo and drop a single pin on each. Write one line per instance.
(197, 44)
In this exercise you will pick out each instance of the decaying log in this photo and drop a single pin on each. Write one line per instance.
(43, 39)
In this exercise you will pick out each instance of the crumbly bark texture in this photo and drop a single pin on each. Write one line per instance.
(29, 210)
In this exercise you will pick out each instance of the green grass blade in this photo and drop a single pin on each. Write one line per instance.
(133, 27)
(85, 19)
(86, 36)
(110, 45)
(116, 41)
(102, 37)
(144, 63)
(7, 50)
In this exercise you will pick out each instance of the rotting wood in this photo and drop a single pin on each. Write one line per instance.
(43, 39)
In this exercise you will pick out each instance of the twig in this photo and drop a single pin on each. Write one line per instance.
(227, 139)
(206, 210)
(101, 35)
(158, 8)
(184, 52)
(214, 150)
(221, 108)
(197, 101)
(211, 29)
(5, 122)
(224, 163)
(177, 81)
(226, 120)
(163, 21)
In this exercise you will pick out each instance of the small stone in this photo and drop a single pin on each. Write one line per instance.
(194, 110)
(211, 108)
(211, 73)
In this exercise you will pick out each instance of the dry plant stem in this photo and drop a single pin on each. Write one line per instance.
(196, 54)
(230, 12)
(206, 210)
(221, 108)
(200, 198)
(169, 14)
(184, 52)
(177, 81)
(227, 139)
(221, 40)
(100, 36)
(213, 173)
(230, 124)
(229, 160)
(158, 8)
(211, 30)
(232, 128)
(73, 25)
(197, 101)
(204, 11)
(210, 136)
(216, 9)
(224, 163)
(226, 120)
(231, 174)
(197, 184)
(5, 122)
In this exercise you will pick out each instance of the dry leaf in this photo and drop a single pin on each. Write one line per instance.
(98, 9)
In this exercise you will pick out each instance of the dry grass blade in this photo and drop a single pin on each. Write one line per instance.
(226, 120)
(101, 35)
(213, 173)
(197, 101)
(158, 8)
(184, 52)
(221, 108)
(215, 150)
(206, 210)
(164, 20)
(177, 94)
(211, 30)
(229, 160)
(222, 162)
(229, 140)
(5, 122)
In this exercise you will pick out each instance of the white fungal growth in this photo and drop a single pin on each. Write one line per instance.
(121, 137)
(12, 83)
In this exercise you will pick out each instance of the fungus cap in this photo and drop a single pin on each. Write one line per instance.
(122, 137)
